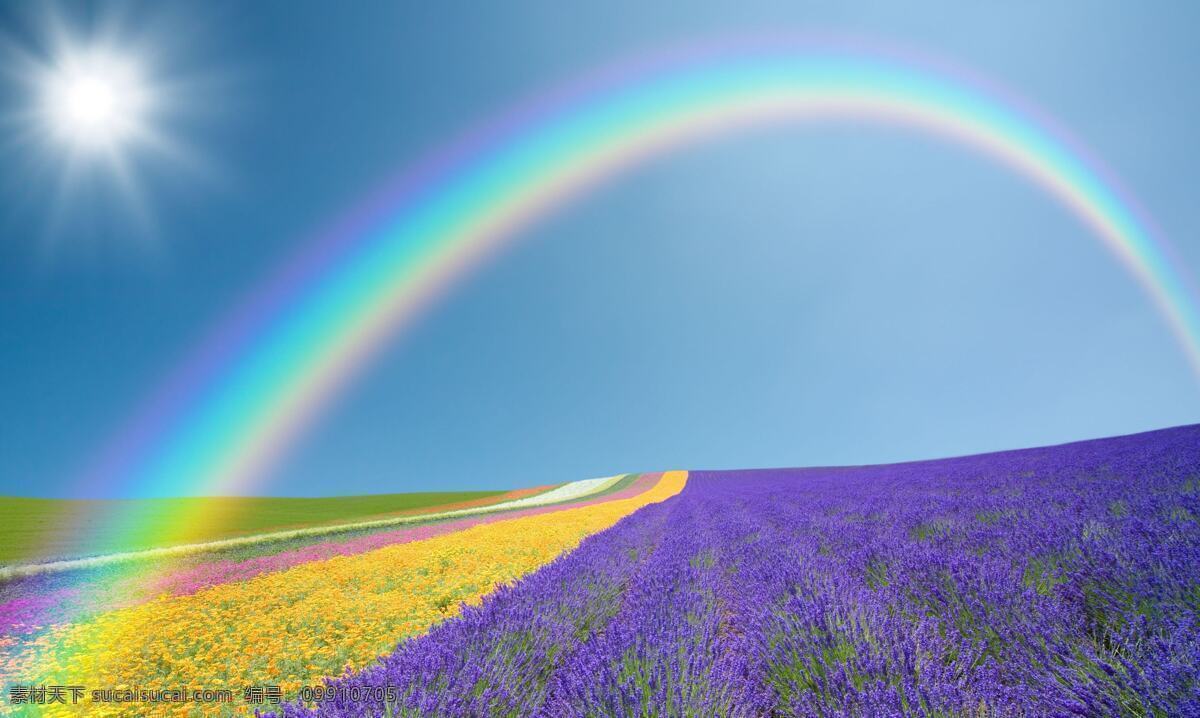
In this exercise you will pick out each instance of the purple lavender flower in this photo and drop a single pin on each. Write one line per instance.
(1054, 581)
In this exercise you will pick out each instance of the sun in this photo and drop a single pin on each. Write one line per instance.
(103, 113)
(95, 100)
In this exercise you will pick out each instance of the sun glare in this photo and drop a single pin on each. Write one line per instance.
(95, 100)
(95, 105)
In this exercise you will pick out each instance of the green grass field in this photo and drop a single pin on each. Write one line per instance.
(40, 529)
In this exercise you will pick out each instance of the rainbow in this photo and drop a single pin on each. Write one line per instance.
(243, 397)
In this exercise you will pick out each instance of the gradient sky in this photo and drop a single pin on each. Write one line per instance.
(795, 296)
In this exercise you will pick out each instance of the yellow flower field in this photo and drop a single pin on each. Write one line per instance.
(293, 627)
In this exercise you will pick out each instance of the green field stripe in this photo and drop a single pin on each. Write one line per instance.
(47, 529)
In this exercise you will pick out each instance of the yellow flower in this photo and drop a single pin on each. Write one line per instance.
(293, 627)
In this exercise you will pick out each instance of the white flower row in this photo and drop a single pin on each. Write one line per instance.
(566, 492)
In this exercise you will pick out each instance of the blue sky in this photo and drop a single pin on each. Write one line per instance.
(796, 296)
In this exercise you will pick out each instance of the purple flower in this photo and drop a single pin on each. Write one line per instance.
(1054, 581)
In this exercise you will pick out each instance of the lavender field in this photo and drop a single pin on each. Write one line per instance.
(1055, 581)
